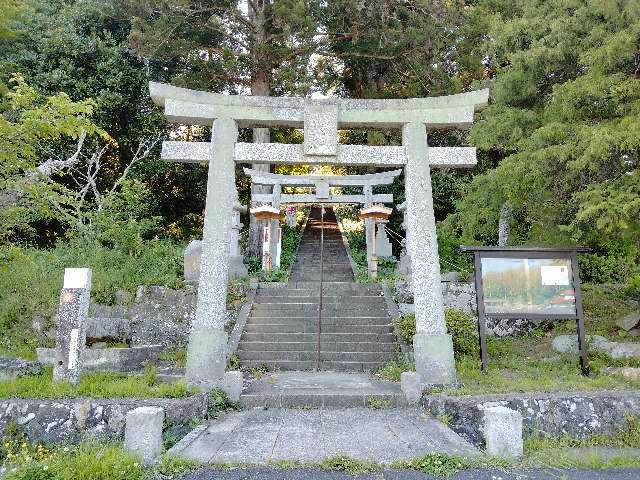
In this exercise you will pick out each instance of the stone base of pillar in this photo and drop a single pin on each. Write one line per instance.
(237, 268)
(434, 359)
(206, 357)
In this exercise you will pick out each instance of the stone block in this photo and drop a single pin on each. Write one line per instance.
(192, 255)
(503, 432)
(383, 245)
(629, 322)
(434, 359)
(143, 433)
(71, 331)
(237, 268)
(11, 368)
(411, 386)
(320, 127)
(232, 384)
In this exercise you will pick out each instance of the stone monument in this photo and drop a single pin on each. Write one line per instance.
(320, 119)
(73, 315)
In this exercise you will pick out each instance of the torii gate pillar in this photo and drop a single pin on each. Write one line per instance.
(432, 346)
(206, 352)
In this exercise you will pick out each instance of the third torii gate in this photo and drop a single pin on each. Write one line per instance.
(322, 185)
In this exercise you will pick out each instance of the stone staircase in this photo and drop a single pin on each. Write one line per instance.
(338, 325)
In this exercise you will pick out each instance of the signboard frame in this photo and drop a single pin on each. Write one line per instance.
(566, 253)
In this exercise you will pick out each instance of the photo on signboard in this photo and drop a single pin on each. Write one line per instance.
(528, 286)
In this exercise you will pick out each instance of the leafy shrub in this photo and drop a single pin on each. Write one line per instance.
(633, 287)
(464, 331)
(406, 327)
(460, 326)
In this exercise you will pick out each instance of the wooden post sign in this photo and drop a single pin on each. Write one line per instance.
(530, 283)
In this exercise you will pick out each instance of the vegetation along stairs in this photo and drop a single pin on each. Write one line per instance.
(321, 319)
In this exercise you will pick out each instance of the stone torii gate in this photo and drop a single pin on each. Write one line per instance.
(322, 185)
(320, 119)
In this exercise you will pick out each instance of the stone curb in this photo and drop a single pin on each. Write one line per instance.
(241, 321)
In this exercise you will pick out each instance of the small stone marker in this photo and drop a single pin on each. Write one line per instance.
(71, 334)
(383, 245)
(192, 255)
(143, 433)
(232, 384)
(411, 386)
(503, 432)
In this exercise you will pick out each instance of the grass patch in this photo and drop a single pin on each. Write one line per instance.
(176, 356)
(438, 464)
(377, 403)
(98, 385)
(170, 466)
(349, 465)
(529, 364)
(24, 271)
(394, 369)
(93, 461)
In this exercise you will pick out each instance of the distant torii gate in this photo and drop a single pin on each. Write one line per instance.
(322, 185)
(320, 119)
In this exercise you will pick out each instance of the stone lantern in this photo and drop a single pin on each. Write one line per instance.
(268, 213)
(374, 212)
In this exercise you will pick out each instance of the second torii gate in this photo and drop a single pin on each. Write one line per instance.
(322, 185)
(320, 119)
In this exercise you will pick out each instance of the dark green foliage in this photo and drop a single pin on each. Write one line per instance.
(464, 330)
(461, 326)
(563, 125)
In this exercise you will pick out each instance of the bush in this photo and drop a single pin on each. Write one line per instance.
(406, 327)
(464, 331)
(219, 402)
(460, 326)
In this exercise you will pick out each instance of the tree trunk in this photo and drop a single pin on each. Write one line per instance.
(504, 225)
(259, 86)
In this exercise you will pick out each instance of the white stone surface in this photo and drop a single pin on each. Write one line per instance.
(383, 245)
(503, 432)
(206, 352)
(423, 249)
(411, 385)
(320, 127)
(77, 278)
(143, 433)
(232, 384)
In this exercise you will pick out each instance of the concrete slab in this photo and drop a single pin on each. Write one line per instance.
(321, 389)
(260, 436)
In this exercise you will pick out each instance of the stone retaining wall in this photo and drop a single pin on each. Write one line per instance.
(578, 414)
(69, 420)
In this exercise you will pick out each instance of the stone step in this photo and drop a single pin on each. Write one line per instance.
(331, 337)
(296, 365)
(319, 389)
(311, 355)
(274, 328)
(354, 302)
(312, 320)
(328, 288)
(264, 299)
(328, 310)
(325, 347)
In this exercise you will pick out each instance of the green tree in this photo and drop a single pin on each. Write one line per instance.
(565, 124)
